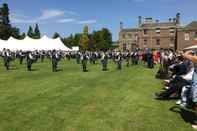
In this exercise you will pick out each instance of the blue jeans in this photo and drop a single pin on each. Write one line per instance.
(194, 87)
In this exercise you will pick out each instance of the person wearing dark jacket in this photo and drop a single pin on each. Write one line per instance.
(30, 59)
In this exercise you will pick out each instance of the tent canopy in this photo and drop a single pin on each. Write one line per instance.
(29, 44)
(191, 47)
(75, 48)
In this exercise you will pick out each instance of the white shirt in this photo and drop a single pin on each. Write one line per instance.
(189, 75)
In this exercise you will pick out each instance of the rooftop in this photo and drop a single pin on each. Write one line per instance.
(191, 26)
(159, 24)
(130, 30)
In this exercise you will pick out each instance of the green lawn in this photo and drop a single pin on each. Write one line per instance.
(71, 100)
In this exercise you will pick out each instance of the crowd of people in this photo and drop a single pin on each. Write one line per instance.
(82, 57)
(179, 71)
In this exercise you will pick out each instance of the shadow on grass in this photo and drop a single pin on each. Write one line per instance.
(34, 69)
(59, 70)
(187, 115)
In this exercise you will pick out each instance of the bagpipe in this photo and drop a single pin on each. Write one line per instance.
(9, 56)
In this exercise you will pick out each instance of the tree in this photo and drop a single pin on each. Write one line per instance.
(30, 32)
(84, 40)
(5, 27)
(96, 40)
(106, 38)
(5, 14)
(56, 35)
(68, 41)
(76, 39)
(16, 33)
(22, 36)
(85, 30)
(5, 32)
(72, 40)
(37, 34)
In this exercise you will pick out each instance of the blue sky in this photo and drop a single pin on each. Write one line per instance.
(69, 16)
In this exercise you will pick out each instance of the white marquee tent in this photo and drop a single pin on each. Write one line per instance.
(191, 47)
(29, 44)
(2, 44)
(75, 48)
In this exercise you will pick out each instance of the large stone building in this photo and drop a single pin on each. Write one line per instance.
(187, 36)
(157, 35)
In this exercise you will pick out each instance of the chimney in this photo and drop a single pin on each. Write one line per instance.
(178, 18)
(121, 25)
(148, 20)
(139, 21)
(174, 20)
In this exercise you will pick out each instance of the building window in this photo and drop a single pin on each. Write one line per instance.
(124, 47)
(123, 36)
(172, 30)
(145, 42)
(145, 31)
(172, 42)
(195, 35)
(187, 36)
(136, 37)
(158, 42)
(158, 31)
(129, 35)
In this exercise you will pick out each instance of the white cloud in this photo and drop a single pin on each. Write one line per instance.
(68, 12)
(67, 20)
(87, 22)
(17, 17)
(15, 20)
(48, 14)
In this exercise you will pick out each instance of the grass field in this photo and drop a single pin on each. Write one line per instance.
(70, 100)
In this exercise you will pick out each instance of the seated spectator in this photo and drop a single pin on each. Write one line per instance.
(176, 83)
(192, 94)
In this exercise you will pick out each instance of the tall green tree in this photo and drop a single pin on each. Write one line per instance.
(22, 36)
(76, 39)
(37, 34)
(96, 40)
(16, 33)
(56, 35)
(84, 39)
(68, 41)
(5, 27)
(5, 14)
(30, 32)
(5, 32)
(106, 37)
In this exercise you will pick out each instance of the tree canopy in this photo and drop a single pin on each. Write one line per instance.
(37, 34)
(6, 29)
(97, 40)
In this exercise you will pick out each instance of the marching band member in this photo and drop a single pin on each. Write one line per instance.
(30, 60)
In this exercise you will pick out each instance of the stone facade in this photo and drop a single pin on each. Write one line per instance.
(187, 36)
(156, 35)
(128, 39)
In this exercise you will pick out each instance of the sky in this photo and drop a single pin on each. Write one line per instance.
(69, 16)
